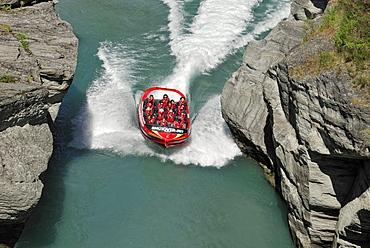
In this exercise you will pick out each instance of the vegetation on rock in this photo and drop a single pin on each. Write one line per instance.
(21, 36)
(4, 78)
(348, 24)
(5, 7)
(351, 22)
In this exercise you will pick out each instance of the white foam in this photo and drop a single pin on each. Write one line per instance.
(211, 141)
(109, 101)
(210, 38)
(217, 30)
(108, 119)
(112, 127)
(175, 18)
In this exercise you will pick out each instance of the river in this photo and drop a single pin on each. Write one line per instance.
(108, 187)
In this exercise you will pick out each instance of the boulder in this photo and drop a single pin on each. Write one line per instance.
(307, 9)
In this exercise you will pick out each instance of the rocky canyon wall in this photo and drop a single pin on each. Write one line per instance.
(38, 59)
(307, 128)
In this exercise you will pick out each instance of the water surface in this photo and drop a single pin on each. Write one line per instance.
(108, 187)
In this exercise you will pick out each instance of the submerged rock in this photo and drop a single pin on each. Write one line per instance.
(306, 127)
(39, 56)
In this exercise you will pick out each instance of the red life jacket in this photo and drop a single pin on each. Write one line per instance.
(183, 118)
(183, 124)
(161, 109)
(163, 123)
(152, 121)
(182, 103)
(148, 111)
(165, 101)
(147, 101)
(170, 116)
(170, 105)
(180, 110)
(160, 115)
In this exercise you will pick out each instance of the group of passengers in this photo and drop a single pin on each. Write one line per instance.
(165, 112)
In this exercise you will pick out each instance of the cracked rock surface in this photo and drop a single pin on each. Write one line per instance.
(307, 129)
(37, 64)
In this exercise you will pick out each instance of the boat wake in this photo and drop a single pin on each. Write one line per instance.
(219, 28)
(108, 118)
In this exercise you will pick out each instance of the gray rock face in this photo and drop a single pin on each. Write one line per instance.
(39, 51)
(24, 155)
(353, 227)
(303, 9)
(306, 129)
(38, 48)
(22, 104)
(20, 3)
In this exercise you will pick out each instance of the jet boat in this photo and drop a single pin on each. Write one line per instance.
(162, 123)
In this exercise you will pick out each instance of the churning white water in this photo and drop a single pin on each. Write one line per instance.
(108, 118)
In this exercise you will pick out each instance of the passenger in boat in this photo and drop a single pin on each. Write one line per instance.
(152, 120)
(165, 100)
(180, 109)
(182, 102)
(183, 117)
(182, 124)
(169, 107)
(160, 108)
(160, 115)
(170, 116)
(175, 124)
(174, 104)
(163, 122)
(151, 100)
(148, 110)
(147, 118)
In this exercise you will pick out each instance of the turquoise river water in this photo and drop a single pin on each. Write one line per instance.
(108, 187)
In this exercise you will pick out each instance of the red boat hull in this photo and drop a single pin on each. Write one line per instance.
(168, 135)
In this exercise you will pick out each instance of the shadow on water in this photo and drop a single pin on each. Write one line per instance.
(50, 207)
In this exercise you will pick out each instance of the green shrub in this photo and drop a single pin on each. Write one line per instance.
(352, 22)
(348, 23)
(21, 36)
(6, 7)
(328, 61)
(7, 78)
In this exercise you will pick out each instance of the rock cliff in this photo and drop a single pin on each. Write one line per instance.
(306, 128)
(38, 59)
